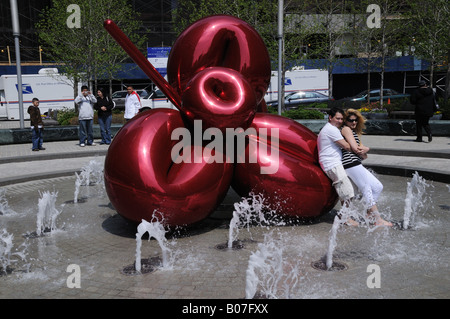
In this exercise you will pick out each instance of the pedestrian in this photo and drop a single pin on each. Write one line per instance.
(132, 103)
(104, 108)
(425, 105)
(86, 101)
(365, 181)
(36, 124)
(329, 143)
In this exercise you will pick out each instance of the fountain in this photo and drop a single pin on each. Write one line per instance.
(415, 199)
(6, 245)
(268, 269)
(4, 206)
(47, 213)
(250, 211)
(5, 251)
(156, 230)
(275, 264)
(91, 173)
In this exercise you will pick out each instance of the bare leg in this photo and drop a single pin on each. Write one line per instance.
(348, 220)
(372, 212)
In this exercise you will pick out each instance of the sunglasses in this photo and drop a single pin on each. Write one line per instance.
(352, 120)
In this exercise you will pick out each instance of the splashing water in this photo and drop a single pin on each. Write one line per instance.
(156, 230)
(332, 241)
(5, 250)
(92, 173)
(6, 245)
(250, 210)
(4, 206)
(415, 199)
(47, 212)
(268, 270)
(345, 213)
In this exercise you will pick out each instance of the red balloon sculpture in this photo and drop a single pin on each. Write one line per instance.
(218, 74)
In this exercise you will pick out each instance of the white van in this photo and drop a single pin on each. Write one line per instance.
(298, 80)
(54, 91)
(156, 99)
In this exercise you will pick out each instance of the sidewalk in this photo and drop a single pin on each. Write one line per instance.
(399, 155)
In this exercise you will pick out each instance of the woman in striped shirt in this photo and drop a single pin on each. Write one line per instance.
(367, 183)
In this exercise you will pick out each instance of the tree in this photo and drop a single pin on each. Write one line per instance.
(74, 37)
(324, 24)
(261, 15)
(378, 33)
(431, 33)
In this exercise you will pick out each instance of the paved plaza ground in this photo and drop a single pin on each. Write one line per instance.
(90, 252)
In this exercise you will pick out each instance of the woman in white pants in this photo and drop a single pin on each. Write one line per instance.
(367, 183)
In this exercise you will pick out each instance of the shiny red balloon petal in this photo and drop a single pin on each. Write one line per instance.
(293, 182)
(141, 178)
(221, 98)
(220, 41)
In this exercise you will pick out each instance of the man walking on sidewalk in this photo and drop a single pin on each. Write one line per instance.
(424, 100)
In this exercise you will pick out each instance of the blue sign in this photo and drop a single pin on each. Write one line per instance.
(158, 57)
(26, 89)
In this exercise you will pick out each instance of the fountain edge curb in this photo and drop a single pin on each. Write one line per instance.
(393, 170)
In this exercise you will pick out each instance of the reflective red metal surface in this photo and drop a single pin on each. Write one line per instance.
(218, 71)
(141, 178)
(295, 184)
(220, 41)
(220, 97)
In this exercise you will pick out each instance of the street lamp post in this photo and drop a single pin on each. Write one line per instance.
(16, 34)
(280, 54)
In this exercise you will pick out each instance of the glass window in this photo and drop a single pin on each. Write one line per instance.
(119, 95)
(143, 93)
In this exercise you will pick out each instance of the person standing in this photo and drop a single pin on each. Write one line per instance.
(329, 143)
(104, 108)
(424, 101)
(86, 101)
(37, 125)
(365, 181)
(132, 103)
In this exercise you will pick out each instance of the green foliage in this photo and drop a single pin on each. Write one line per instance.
(88, 52)
(298, 114)
(262, 15)
(319, 105)
(444, 108)
(66, 115)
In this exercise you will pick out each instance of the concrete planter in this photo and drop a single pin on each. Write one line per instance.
(375, 116)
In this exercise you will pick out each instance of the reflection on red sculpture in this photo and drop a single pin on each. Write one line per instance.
(299, 187)
(218, 72)
(220, 97)
(141, 178)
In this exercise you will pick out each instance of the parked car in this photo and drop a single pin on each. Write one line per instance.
(119, 97)
(156, 99)
(375, 95)
(295, 99)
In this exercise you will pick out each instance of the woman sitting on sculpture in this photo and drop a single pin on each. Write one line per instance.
(366, 182)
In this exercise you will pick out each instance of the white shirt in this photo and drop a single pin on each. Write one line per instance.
(132, 105)
(330, 154)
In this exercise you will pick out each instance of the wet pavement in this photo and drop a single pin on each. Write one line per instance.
(89, 251)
